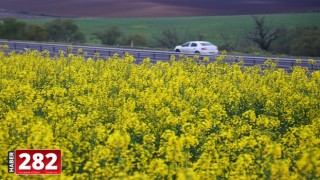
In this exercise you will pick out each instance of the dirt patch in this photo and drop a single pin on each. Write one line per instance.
(150, 8)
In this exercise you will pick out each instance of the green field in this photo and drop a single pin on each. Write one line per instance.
(212, 27)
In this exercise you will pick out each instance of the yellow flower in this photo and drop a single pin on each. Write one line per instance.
(116, 119)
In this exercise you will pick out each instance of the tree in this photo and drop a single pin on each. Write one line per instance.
(36, 33)
(263, 34)
(298, 41)
(169, 38)
(11, 29)
(282, 44)
(64, 31)
(110, 36)
(306, 42)
(137, 40)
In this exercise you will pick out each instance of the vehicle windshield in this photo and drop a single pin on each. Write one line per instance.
(206, 44)
(185, 44)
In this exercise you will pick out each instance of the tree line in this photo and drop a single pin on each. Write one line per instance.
(64, 30)
(57, 30)
(261, 37)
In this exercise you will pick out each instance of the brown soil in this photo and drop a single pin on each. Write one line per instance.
(151, 8)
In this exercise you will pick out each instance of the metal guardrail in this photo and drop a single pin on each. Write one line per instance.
(155, 55)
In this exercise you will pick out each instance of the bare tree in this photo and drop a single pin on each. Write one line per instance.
(263, 34)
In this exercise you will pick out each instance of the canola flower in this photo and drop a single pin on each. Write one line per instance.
(183, 119)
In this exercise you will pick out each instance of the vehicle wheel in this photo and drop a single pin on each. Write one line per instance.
(177, 50)
(197, 52)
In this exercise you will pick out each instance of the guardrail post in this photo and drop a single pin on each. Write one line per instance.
(154, 56)
(15, 46)
(292, 64)
(40, 48)
(53, 49)
(138, 55)
(109, 53)
(254, 62)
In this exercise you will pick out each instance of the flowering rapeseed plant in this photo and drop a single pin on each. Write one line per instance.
(182, 119)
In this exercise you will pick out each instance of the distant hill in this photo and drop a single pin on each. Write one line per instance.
(153, 8)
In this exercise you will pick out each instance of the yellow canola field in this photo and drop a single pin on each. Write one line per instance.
(183, 119)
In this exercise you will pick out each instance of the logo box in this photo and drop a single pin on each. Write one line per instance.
(36, 161)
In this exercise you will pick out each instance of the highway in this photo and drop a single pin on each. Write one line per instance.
(154, 55)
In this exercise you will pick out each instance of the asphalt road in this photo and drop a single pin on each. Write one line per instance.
(154, 55)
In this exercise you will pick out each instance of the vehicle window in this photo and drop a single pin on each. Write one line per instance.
(185, 45)
(194, 45)
(206, 44)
